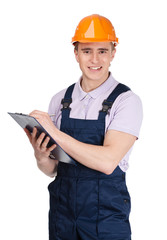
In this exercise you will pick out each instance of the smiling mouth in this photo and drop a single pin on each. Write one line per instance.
(95, 68)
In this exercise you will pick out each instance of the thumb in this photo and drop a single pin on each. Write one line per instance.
(28, 134)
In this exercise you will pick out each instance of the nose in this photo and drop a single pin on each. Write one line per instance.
(94, 57)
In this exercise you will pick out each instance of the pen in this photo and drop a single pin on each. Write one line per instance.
(52, 115)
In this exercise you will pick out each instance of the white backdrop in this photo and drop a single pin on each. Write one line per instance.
(36, 61)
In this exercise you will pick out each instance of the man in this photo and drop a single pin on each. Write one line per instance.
(90, 200)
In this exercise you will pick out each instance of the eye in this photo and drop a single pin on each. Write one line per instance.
(86, 51)
(102, 51)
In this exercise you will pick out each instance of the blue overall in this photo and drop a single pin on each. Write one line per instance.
(86, 204)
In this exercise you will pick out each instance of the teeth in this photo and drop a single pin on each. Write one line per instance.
(95, 68)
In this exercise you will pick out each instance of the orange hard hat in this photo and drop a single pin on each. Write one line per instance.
(95, 28)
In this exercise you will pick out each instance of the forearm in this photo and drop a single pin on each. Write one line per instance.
(101, 158)
(92, 156)
(47, 166)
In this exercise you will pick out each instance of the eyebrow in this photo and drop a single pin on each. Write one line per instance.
(101, 49)
(84, 49)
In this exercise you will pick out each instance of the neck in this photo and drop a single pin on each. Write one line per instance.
(90, 85)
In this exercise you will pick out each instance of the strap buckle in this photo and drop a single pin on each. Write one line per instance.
(106, 106)
(66, 103)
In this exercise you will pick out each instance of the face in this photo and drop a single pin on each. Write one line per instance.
(94, 60)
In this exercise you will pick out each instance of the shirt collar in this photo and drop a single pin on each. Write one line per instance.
(96, 92)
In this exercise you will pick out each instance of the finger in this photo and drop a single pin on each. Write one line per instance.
(37, 114)
(45, 143)
(34, 112)
(28, 134)
(52, 148)
(34, 132)
(40, 139)
(34, 136)
(27, 131)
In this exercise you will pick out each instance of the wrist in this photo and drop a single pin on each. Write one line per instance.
(47, 166)
(41, 159)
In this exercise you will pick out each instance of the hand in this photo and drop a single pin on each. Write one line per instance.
(44, 119)
(41, 151)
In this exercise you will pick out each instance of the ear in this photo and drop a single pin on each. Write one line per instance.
(76, 55)
(113, 54)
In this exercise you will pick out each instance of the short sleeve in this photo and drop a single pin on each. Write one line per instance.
(55, 107)
(126, 114)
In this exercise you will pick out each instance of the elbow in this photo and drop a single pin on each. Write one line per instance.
(109, 168)
(108, 171)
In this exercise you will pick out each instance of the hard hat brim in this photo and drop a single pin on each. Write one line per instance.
(94, 40)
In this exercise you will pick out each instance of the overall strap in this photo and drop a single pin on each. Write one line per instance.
(66, 101)
(107, 104)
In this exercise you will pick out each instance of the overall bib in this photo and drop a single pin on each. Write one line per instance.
(86, 204)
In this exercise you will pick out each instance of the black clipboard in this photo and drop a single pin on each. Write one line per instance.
(29, 122)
